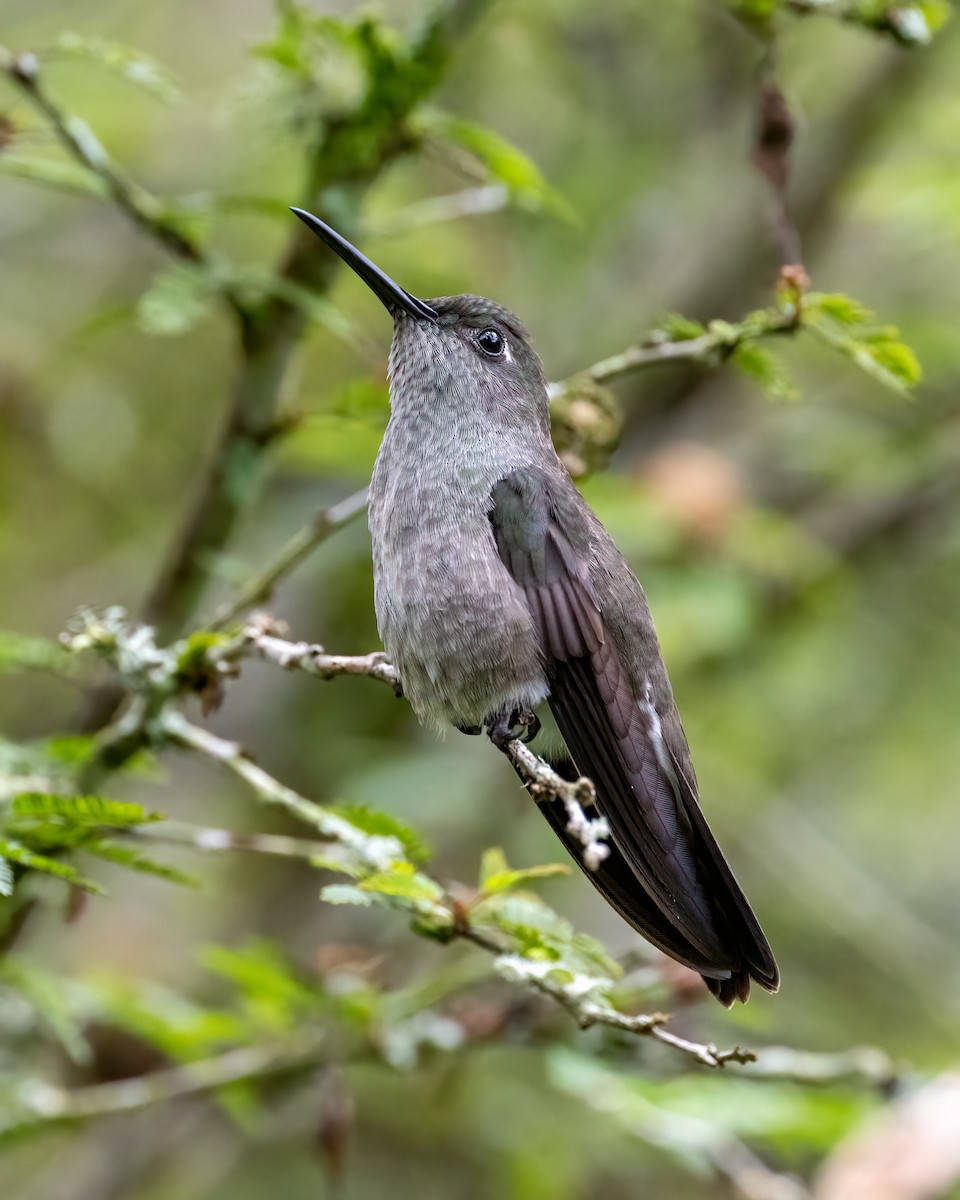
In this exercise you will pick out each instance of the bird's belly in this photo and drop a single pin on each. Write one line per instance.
(458, 629)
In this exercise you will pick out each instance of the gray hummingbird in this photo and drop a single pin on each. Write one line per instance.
(497, 589)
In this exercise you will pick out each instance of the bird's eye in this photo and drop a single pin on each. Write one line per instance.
(491, 342)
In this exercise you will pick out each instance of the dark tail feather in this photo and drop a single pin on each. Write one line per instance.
(617, 884)
(688, 904)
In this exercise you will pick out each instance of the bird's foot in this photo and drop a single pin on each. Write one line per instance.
(469, 730)
(521, 723)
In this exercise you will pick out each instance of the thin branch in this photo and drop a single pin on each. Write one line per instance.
(260, 588)
(143, 208)
(713, 347)
(259, 640)
(346, 157)
(345, 841)
(48, 1104)
(543, 783)
(209, 840)
(859, 1064)
(375, 853)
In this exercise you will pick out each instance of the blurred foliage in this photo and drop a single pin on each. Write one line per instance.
(590, 167)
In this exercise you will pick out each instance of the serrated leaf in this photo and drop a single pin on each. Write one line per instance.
(132, 65)
(541, 933)
(895, 358)
(840, 308)
(381, 824)
(86, 811)
(134, 860)
(265, 979)
(502, 162)
(18, 853)
(497, 876)
(680, 328)
(405, 882)
(878, 352)
(763, 366)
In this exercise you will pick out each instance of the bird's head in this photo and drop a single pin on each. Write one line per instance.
(454, 350)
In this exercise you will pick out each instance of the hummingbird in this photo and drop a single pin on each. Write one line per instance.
(497, 590)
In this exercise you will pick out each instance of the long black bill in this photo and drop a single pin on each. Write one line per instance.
(391, 294)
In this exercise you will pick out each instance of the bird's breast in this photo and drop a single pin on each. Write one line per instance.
(451, 618)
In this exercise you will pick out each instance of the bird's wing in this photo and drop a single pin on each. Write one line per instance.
(684, 897)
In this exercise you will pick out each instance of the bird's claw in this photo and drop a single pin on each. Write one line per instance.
(521, 723)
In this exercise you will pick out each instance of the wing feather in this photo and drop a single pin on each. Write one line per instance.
(667, 876)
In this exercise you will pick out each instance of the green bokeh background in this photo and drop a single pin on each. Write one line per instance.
(807, 608)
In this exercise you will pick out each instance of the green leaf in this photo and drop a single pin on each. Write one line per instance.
(50, 1000)
(347, 893)
(840, 308)
(893, 359)
(842, 323)
(381, 824)
(176, 301)
(680, 328)
(135, 860)
(501, 161)
(763, 366)
(404, 882)
(267, 982)
(539, 932)
(86, 811)
(54, 173)
(130, 64)
(19, 652)
(18, 853)
(497, 876)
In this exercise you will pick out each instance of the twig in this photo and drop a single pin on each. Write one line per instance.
(346, 155)
(260, 588)
(588, 1012)
(140, 205)
(259, 639)
(48, 1104)
(378, 853)
(369, 852)
(542, 782)
(208, 840)
(714, 346)
(692, 1138)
